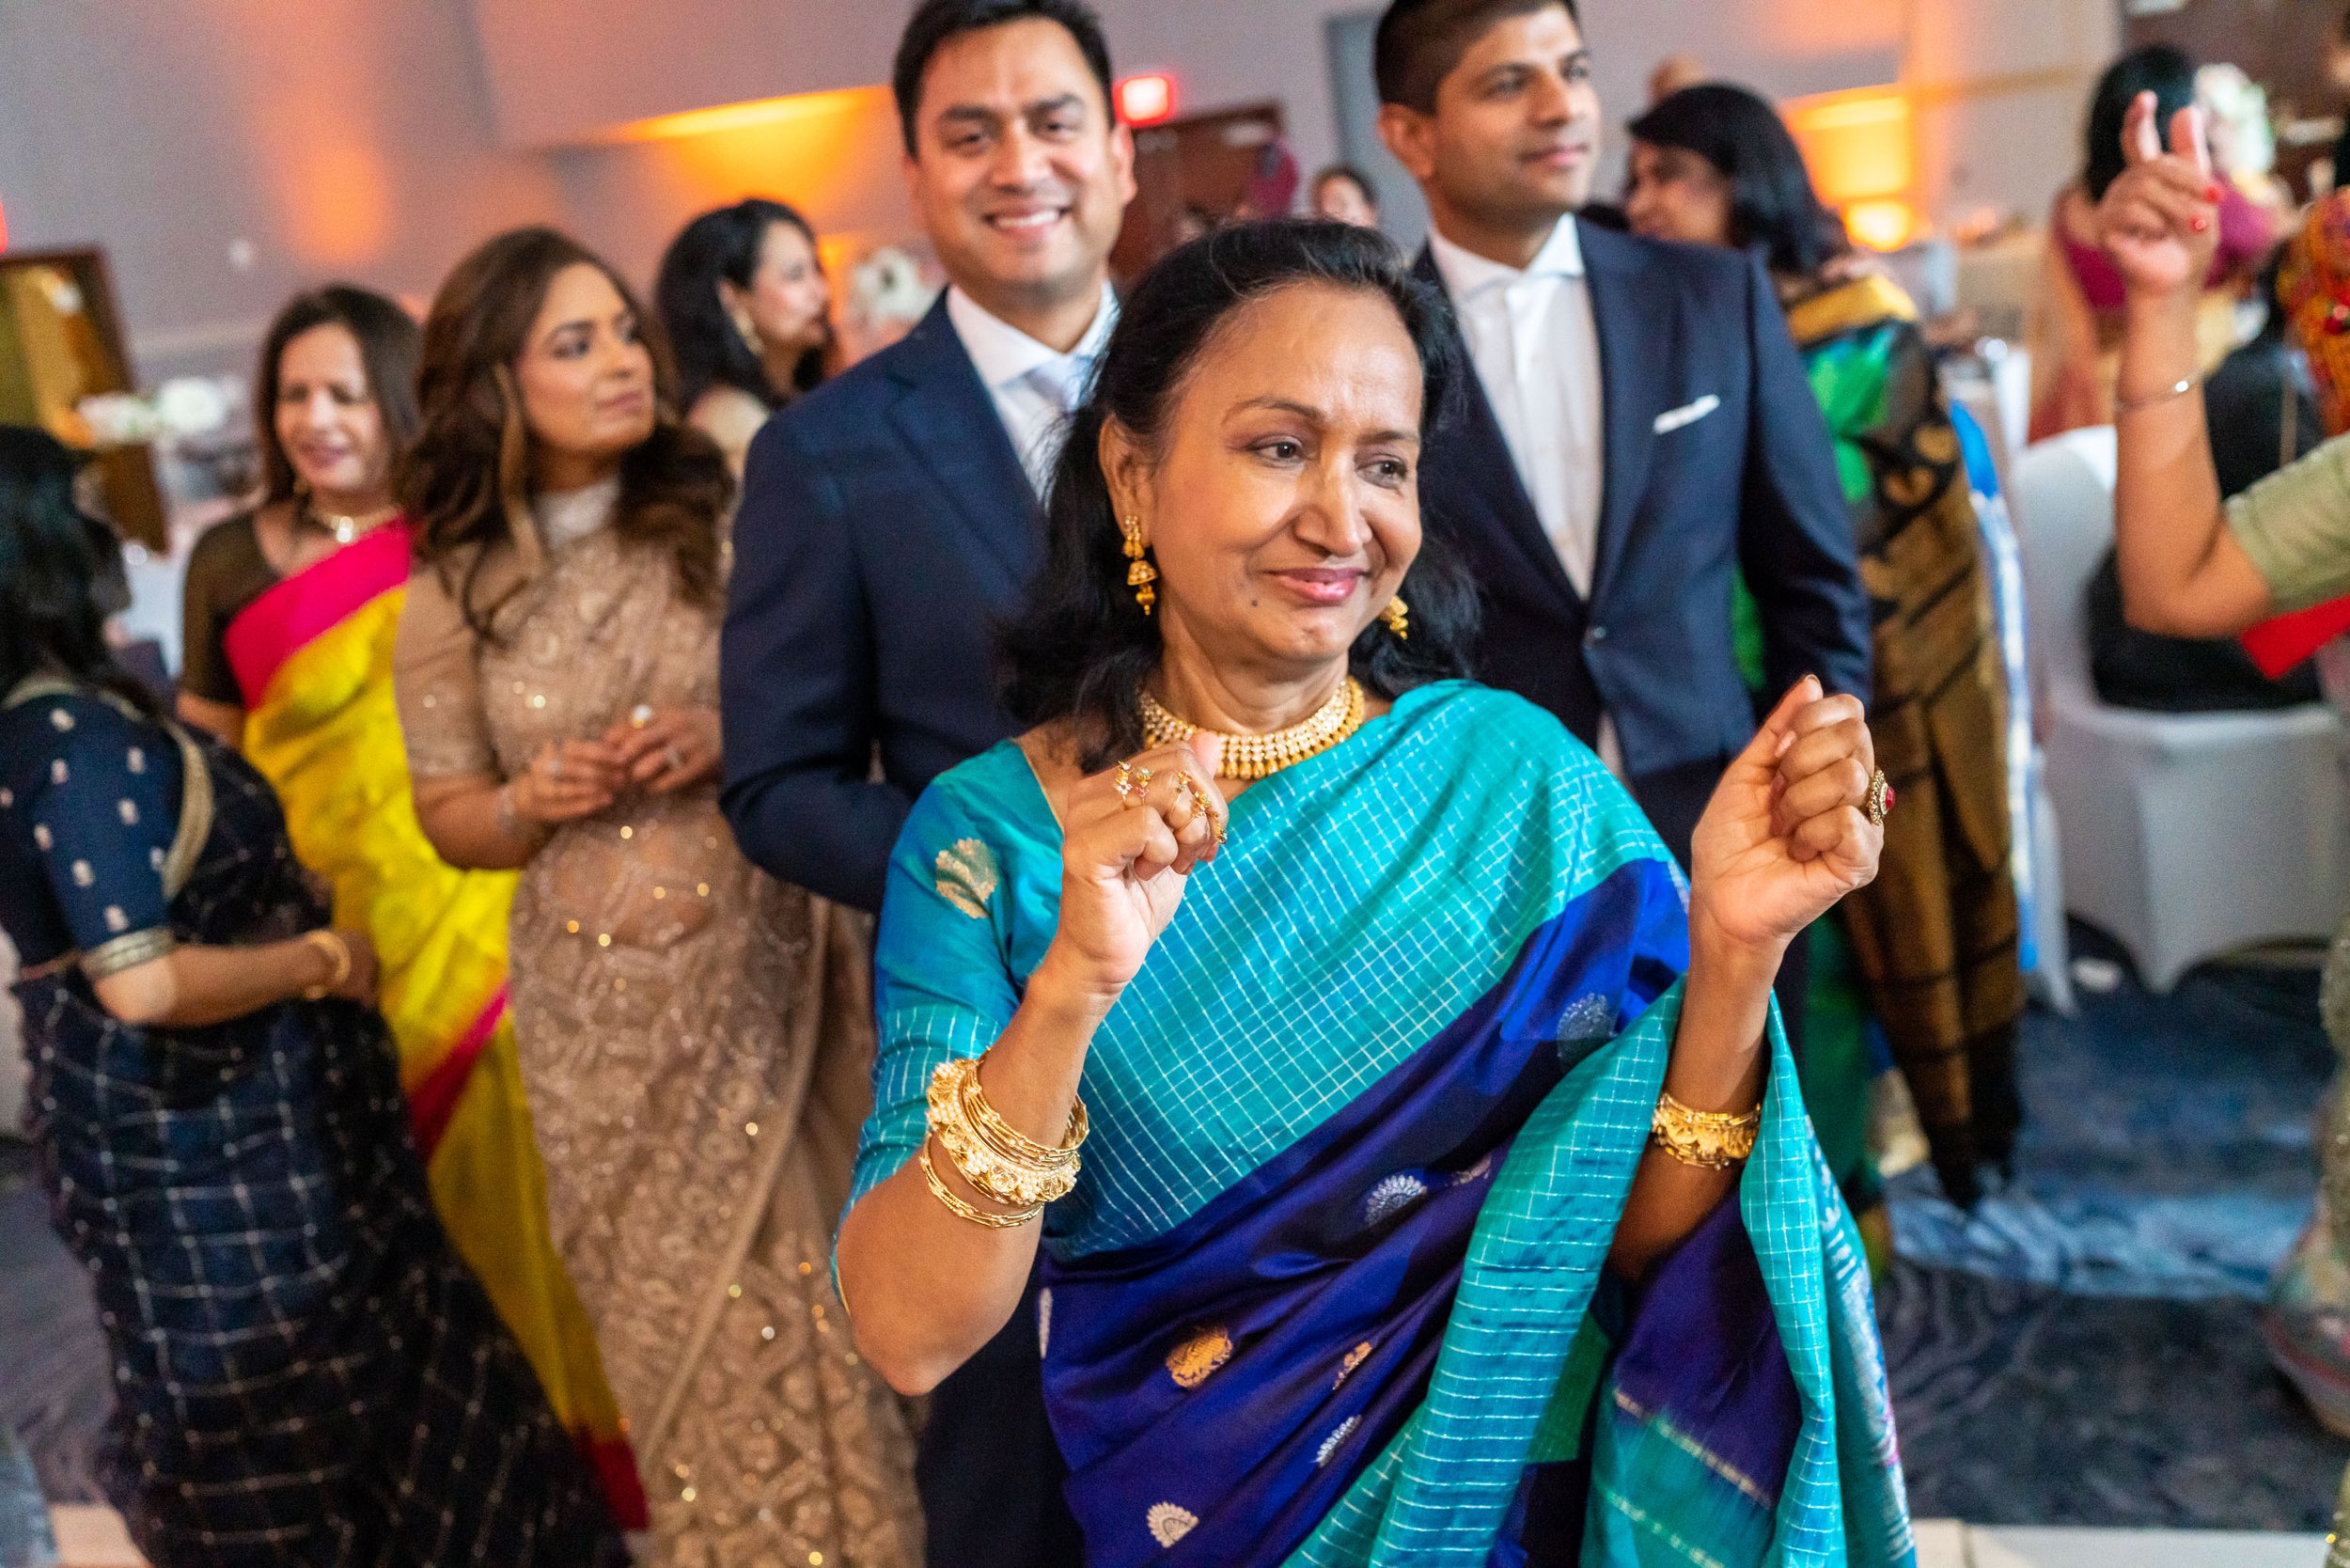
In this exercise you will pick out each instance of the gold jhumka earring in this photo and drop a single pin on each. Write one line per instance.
(1141, 574)
(1398, 615)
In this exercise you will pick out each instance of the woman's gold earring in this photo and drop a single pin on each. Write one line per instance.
(1141, 574)
(1398, 615)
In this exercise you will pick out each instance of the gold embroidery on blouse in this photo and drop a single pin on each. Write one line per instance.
(1190, 1363)
(967, 876)
(1355, 1358)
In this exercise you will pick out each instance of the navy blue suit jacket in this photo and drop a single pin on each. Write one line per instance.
(1749, 482)
(886, 525)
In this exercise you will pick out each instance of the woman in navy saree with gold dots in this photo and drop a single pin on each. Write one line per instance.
(1417, 1169)
(304, 1373)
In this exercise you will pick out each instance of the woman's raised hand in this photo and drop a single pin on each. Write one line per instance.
(1786, 834)
(1133, 834)
(2160, 219)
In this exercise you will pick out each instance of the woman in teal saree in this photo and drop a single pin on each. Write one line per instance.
(1417, 1168)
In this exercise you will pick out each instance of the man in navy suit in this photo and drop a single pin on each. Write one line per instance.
(889, 518)
(1640, 428)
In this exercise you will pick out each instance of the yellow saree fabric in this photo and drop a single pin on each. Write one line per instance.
(321, 727)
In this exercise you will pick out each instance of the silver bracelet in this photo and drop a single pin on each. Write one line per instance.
(2176, 389)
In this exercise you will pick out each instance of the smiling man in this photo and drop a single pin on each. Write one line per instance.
(1639, 429)
(889, 519)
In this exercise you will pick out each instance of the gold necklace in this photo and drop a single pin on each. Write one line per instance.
(1248, 756)
(347, 529)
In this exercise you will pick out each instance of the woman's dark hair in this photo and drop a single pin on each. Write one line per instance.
(59, 567)
(388, 345)
(2161, 69)
(466, 484)
(1772, 209)
(936, 22)
(1081, 646)
(724, 244)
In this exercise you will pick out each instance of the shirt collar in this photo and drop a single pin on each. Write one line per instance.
(1004, 355)
(1464, 273)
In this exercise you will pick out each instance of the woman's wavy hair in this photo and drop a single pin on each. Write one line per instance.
(388, 343)
(466, 484)
(1081, 647)
(60, 574)
(724, 243)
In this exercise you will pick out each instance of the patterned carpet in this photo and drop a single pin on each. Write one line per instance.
(2082, 1350)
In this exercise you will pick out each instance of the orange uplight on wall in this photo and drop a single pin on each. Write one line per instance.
(1146, 100)
(758, 114)
(1861, 149)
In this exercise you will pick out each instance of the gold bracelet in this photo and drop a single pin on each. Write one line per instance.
(337, 953)
(1709, 1141)
(985, 1161)
(1010, 1140)
(962, 1210)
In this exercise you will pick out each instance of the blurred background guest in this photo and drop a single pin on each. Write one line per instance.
(221, 1133)
(1344, 194)
(744, 299)
(2078, 326)
(1935, 937)
(289, 616)
(694, 1034)
(2242, 142)
(888, 291)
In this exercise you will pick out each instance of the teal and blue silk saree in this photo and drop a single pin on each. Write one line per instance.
(1331, 1289)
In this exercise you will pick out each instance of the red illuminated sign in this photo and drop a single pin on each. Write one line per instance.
(1146, 100)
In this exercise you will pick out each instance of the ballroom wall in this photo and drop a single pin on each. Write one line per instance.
(228, 151)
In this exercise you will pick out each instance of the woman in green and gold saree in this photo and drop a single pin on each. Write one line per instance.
(1934, 939)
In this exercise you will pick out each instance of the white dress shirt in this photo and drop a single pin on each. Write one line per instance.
(1531, 337)
(1035, 388)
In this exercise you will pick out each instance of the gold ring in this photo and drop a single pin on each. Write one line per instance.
(1134, 783)
(1880, 798)
(640, 715)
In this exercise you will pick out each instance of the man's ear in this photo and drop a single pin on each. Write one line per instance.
(1411, 137)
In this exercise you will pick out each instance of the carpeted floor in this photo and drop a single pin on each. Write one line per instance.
(2082, 1350)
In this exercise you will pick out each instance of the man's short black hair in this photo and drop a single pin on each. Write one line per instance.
(934, 22)
(1419, 41)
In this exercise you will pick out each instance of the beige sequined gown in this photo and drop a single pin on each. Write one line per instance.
(695, 1038)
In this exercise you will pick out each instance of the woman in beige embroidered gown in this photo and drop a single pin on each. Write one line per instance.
(694, 1036)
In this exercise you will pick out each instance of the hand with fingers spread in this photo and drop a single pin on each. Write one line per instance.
(661, 750)
(1789, 830)
(1133, 834)
(2159, 221)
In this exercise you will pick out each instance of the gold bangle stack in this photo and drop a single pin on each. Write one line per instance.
(1709, 1141)
(995, 1158)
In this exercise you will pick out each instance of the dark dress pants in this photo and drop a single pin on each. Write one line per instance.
(987, 1466)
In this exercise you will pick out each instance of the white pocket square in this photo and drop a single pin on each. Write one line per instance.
(1687, 414)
